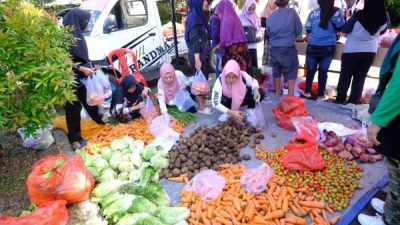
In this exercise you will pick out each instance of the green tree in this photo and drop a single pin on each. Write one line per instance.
(35, 66)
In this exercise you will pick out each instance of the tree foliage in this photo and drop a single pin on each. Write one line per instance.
(35, 67)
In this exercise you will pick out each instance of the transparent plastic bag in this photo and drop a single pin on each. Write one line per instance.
(149, 112)
(105, 83)
(255, 180)
(207, 183)
(40, 140)
(183, 101)
(307, 128)
(160, 124)
(200, 85)
(94, 90)
(256, 116)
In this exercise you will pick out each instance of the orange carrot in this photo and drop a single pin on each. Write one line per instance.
(204, 219)
(324, 215)
(275, 215)
(236, 203)
(285, 206)
(175, 179)
(210, 212)
(313, 204)
(335, 219)
(295, 220)
(223, 221)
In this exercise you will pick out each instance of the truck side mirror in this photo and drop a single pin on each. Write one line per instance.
(110, 24)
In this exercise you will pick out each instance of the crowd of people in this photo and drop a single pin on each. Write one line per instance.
(232, 35)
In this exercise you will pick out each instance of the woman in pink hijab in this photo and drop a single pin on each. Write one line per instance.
(251, 25)
(170, 82)
(234, 90)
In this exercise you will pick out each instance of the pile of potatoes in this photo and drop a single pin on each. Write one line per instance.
(206, 148)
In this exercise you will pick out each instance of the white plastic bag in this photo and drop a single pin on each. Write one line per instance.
(255, 180)
(256, 116)
(94, 90)
(338, 128)
(160, 124)
(105, 83)
(183, 101)
(40, 140)
(207, 183)
(149, 112)
(200, 85)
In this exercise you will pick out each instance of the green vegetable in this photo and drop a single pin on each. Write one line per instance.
(126, 166)
(89, 161)
(150, 220)
(106, 153)
(110, 199)
(119, 207)
(172, 215)
(94, 172)
(115, 160)
(107, 187)
(135, 158)
(155, 192)
(134, 175)
(136, 146)
(183, 222)
(119, 144)
(146, 175)
(128, 140)
(123, 176)
(159, 162)
(108, 174)
(101, 164)
(142, 205)
(131, 219)
(148, 152)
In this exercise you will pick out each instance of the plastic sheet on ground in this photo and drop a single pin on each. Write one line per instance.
(88, 126)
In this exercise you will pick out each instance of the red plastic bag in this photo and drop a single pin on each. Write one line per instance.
(51, 213)
(59, 178)
(289, 107)
(307, 128)
(314, 87)
(303, 157)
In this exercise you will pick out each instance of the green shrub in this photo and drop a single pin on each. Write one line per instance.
(35, 68)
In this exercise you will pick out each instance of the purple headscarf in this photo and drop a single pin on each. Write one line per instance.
(195, 16)
(253, 18)
(231, 26)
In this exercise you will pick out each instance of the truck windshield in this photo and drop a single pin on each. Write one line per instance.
(93, 18)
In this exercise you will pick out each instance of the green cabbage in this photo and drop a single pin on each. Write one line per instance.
(131, 219)
(147, 173)
(134, 175)
(110, 199)
(128, 140)
(89, 161)
(107, 187)
(115, 160)
(141, 204)
(106, 153)
(108, 174)
(159, 162)
(119, 207)
(155, 192)
(148, 152)
(183, 222)
(172, 215)
(123, 176)
(150, 220)
(135, 158)
(101, 164)
(126, 166)
(118, 145)
(136, 146)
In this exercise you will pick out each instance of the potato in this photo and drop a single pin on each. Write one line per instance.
(176, 172)
(246, 157)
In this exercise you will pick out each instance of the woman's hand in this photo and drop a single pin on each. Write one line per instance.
(86, 70)
(183, 86)
(138, 106)
(197, 61)
(215, 49)
(372, 133)
(257, 95)
(145, 91)
(238, 115)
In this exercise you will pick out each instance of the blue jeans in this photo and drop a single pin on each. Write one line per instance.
(318, 57)
(217, 64)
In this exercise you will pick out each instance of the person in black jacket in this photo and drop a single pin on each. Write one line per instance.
(78, 20)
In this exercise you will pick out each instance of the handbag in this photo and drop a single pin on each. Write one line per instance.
(251, 34)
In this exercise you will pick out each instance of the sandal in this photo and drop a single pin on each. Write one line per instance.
(82, 143)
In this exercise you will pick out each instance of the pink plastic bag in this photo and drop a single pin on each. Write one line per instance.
(255, 180)
(161, 124)
(200, 85)
(149, 112)
(387, 38)
(307, 128)
(207, 183)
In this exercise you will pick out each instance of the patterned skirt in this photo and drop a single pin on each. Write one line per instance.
(241, 54)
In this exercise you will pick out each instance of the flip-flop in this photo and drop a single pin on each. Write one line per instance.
(82, 143)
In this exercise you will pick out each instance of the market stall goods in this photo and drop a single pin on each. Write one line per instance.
(278, 204)
(186, 118)
(334, 185)
(207, 148)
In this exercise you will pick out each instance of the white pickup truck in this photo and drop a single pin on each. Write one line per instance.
(133, 24)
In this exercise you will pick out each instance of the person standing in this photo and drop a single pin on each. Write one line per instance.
(251, 26)
(270, 7)
(363, 30)
(78, 20)
(384, 133)
(283, 26)
(197, 35)
(233, 41)
(215, 27)
(322, 25)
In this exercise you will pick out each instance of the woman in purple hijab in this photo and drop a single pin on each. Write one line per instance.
(233, 41)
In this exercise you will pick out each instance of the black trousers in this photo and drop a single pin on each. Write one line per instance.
(73, 114)
(354, 66)
(247, 101)
(254, 58)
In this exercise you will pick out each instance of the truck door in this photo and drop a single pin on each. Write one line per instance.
(136, 29)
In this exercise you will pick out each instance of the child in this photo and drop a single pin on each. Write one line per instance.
(283, 26)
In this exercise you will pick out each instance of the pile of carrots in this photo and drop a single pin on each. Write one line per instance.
(277, 205)
(136, 129)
